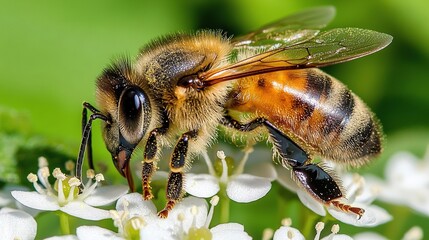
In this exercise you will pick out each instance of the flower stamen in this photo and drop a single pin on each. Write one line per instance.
(415, 233)
(73, 182)
(214, 201)
(287, 222)
(70, 166)
(224, 176)
(43, 174)
(267, 234)
(33, 179)
(43, 162)
(319, 227)
(335, 228)
(90, 187)
(240, 167)
(209, 164)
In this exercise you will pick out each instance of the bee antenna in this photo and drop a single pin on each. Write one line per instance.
(86, 136)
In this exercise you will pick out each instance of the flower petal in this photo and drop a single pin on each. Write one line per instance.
(229, 231)
(419, 201)
(368, 235)
(185, 207)
(154, 231)
(247, 188)
(63, 237)
(265, 170)
(372, 217)
(333, 236)
(106, 195)
(82, 210)
(36, 200)
(284, 177)
(95, 232)
(16, 224)
(311, 203)
(226, 227)
(398, 168)
(136, 206)
(287, 233)
(201, 185)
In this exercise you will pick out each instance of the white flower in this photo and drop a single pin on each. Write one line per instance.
(63, 237)
(240, 187)
(189, 219)
(286, 232)
(65, 196)
(406, 176)
(358, 194)
(6, 200)
(17, 224)
(415, 233)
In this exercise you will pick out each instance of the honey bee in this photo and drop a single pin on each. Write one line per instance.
(182, 87)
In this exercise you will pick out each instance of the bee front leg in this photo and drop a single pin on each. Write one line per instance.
(150, 156)
(87, 106)
(175, 179)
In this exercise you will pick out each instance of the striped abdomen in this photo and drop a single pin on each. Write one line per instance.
(315, 110)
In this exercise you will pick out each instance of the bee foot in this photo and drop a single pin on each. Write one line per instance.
(147, 195)
(164, 212)
(348, 208)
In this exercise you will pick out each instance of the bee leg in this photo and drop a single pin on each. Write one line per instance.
(347, 208)
(323, 187)
(87, 106)
(150, 154)
(86, 136)
(228, 121)
(312, 177)
(289, 151)
(175, 179)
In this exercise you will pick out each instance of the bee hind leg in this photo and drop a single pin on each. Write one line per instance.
(175, 178)
(313, 178)
(323, 187)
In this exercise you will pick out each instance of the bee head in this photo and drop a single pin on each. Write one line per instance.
(128, 110)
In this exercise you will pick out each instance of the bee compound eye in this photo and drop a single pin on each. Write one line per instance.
(133, 114)
(131, 103)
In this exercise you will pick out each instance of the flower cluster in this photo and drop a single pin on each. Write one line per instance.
(405, 176)
(65, 194)
(191, 218)
(239, 186)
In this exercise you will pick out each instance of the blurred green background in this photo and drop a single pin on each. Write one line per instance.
(51, 52)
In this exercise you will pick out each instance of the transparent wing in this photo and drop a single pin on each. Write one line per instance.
(327, 48)
(291, 29)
